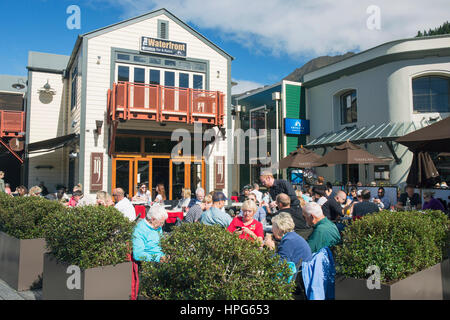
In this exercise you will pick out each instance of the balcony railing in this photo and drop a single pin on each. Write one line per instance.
(12, 123)
(129, 101)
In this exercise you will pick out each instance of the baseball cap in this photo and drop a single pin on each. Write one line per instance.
(219, 196)
(359, 193)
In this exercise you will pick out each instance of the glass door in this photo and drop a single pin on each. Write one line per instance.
(160, 175)
(143, 169)
(196, 176)
(177, 179)
(123, 175)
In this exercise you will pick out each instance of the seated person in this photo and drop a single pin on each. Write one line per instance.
(431, 203)
(319, 194)
(245, 226)
(245, 192)
(325, 233)
(292, 247)
(411, 197)
(300, 226)
(76, 196)
(215, 215)
(364, 207)
(147, 235)
(143, 194)
(104, 199)
(123, 204)
(195, 212)
(382, 200)
(333, 209)
(260, 214)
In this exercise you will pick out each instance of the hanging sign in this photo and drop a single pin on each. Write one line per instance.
(96, 171)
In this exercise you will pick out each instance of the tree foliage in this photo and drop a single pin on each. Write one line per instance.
(210, 263)
(443, 29)
(22, 217)
(399, 243)
(89, 236)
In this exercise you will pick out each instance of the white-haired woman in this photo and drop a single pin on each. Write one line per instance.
(292, 247)
(245, 226)
(147, 235)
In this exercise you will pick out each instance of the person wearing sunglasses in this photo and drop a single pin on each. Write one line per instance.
(143, 194)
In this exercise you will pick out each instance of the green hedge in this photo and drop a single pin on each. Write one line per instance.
(399, 243)
(208, 262)
(22, 217)
(89, 236)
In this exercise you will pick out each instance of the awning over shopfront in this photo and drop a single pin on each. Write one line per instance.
(385, 132)
(55, 143)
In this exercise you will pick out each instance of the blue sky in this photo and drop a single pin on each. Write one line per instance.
(268, 39)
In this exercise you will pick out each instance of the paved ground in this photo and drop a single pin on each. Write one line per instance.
(7, 293)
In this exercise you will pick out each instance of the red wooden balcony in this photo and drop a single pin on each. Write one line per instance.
(129, 101)
(12, 123)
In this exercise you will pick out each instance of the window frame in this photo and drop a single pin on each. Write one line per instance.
(343, 96)
(429, 94)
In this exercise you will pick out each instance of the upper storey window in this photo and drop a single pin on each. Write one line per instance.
(431, 94)
(348, 107)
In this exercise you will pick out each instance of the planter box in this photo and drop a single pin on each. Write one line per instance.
(21, 261)
(101, 283)
(429, 284)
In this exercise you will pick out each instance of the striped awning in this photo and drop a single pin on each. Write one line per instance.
(389, 131)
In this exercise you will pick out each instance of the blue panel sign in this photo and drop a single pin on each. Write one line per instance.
(297, 177)
(296, 126)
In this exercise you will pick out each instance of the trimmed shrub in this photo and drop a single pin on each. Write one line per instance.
(22, 217)
(89, 236)
(399, 243)
(210, 263)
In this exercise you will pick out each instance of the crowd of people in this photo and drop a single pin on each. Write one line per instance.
(295, 223)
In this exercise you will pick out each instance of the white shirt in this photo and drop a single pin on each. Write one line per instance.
(258, 195)
(126, 208)
(322, 200)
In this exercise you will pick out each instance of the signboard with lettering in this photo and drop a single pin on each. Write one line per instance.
(165, 47)
(219, 169)
(296, 126)
(96, 171)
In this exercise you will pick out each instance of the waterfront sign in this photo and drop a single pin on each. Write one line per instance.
(165, 47)
(296, 126)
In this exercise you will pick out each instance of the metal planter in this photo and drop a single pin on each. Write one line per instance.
(429, 284)
(101, 283)
(21, 261)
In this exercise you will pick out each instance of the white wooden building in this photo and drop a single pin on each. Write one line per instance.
(106, 117)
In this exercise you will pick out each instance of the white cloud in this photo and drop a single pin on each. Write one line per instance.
(244, 85)
(301, 27)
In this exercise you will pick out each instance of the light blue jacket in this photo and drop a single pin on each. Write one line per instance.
(146, 240)
(215, 216)
(318, 275)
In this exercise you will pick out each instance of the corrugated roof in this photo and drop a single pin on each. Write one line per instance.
(388, 131)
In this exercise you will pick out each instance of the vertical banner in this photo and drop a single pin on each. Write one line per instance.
(96, 171)
(219, 169)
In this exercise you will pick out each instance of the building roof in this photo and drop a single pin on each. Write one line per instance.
(142, 17)
(403, 49)
(50, 62)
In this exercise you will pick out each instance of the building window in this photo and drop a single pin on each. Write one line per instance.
(258, 122)
(121, 56)
(431, 94)
(348, 107)
(163, 29)
(73, 93)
